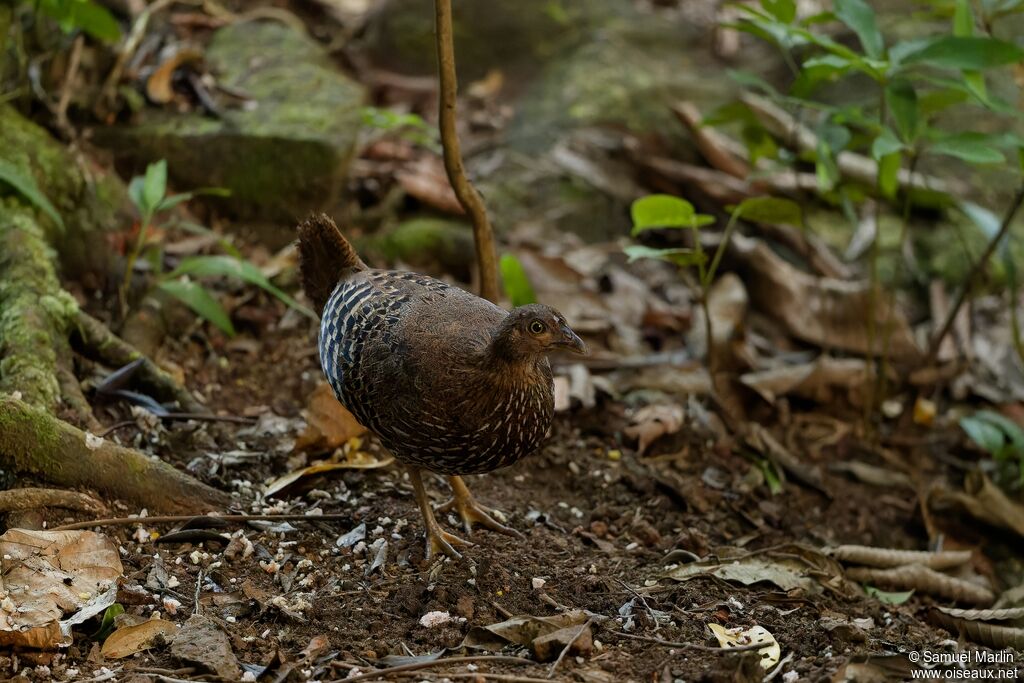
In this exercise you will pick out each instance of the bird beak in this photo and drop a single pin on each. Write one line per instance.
(571, 341)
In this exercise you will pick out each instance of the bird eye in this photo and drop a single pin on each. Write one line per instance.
(536, 327)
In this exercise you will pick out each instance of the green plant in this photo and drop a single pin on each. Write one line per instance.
(915, 83)
(665, 211)
(407, 126)
(1000, 436)
(149, 194)
(517, 284)
(84, 15)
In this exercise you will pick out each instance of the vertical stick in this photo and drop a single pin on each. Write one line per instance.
(469, 198)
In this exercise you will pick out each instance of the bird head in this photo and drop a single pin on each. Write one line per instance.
(535, 330)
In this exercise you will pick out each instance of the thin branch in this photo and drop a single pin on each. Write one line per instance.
(979, 267)
(416, 666)
(171, 519)
(691, 646)
(469, 198)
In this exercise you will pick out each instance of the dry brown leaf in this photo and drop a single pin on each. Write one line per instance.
(650, 423)
(47, 574)
(328, 423)
(127, 640)
(354, 459)
(817, 380)
(824, 311)
(426, 180)
(520, 630)
(983, 500)
(201, 641)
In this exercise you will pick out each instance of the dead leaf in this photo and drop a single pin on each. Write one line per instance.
(579, 641)
(353, 459)
(127, 640)
(755, 635)
(650, 423)
(45, 575)
(426, 180)
(328, 423)
(824, 311)
(789, 567)
(201, 642)
(520, 630)
(487, 87)
(983, 500)
(817, 380)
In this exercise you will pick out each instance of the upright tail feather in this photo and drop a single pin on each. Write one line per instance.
(325, 258)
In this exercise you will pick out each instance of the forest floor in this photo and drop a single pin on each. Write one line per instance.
(599, 521)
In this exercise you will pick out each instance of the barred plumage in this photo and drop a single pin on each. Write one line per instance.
(449, 382)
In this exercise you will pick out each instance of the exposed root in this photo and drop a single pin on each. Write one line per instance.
(96, 341)
(33, 441)
(33, 498)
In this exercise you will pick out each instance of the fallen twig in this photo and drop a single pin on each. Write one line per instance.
(100, 343)
(890, 557)
(689, 646)
(918, 577)
(561, 655)
(416, 666)
(171, 519)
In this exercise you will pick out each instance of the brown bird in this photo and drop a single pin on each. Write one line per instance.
(448, 382)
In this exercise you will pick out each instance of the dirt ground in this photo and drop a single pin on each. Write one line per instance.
(599, 523)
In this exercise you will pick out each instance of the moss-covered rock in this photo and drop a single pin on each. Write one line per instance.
(284, 153)
(488, 35)
(428, 244)
(621, 80)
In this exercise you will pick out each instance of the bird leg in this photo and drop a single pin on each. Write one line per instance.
(438, 540)
(471, 511)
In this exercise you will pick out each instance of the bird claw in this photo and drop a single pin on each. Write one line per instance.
(471, 512)
(440, 541)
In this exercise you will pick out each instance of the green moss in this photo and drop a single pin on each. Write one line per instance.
(427, 242)
(89, 205)
(35, 313)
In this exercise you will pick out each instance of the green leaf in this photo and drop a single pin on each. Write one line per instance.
(680, 257)
(107, 623)
(985, 434)
(665, 211)
(197, 298)
(154, 186)
(772, 210)
(966, 53)
(889, 174)
(783, 10)
(1009, 428)
(175, 199)
(818, 70)
(975, 148)
(889, 597)
(885, 144)
(25, 185)
(859, 16)
(902, 99)
(230, 266)
(86, 15)
(963, 19)
(517, 284)
(986, 221)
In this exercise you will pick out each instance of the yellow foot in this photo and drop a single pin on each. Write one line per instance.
(440, 541)
(472, 512)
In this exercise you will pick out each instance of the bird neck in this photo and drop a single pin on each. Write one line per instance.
(510, 362)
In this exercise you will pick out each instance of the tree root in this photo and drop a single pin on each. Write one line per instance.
(96, 341)
(33, 441)
(13, 500)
